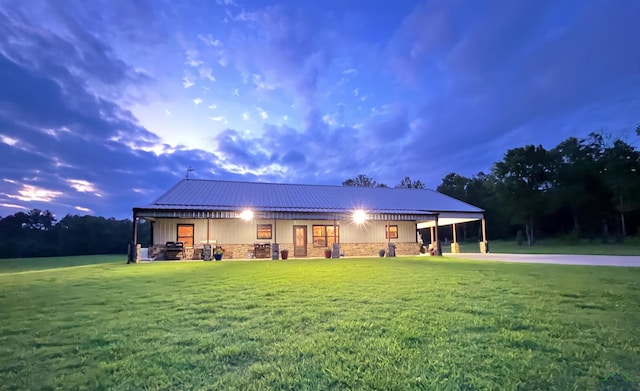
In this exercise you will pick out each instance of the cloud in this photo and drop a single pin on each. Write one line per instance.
(197, 101)
(34, 193)
(13, 206)
(167, 112)
(219, 118)
(263, 114)
(245, 116)
(186, 83)
(83, 186)
(328, 119)
(212, 106)
(78, 136)
(8, 140)
(205, 73)
(192, 58)
(356, 92)
(260, 83)
(226, 2)
(236, 92)
(209, 40)
(287, 46)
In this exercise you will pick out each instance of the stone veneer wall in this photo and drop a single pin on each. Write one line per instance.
(242, 251)
(373, 249)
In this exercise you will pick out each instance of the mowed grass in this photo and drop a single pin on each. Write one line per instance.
(378, 323)
(19, 265)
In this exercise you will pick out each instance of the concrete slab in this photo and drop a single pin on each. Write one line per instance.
(560, 259)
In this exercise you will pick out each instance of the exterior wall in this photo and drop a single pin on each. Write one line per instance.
(373, 249)
(237, 236)
(374, 232)
(239, 231)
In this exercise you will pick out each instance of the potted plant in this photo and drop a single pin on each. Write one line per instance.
(327, 253)
(218, 253)
(285, 254)
(381, 252)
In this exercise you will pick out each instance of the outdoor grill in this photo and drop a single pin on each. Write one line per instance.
(173, 250)
(262, 250)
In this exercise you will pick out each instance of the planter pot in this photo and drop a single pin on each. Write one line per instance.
(381, 253)
(284, 254)
(217, 257)
(327, 253)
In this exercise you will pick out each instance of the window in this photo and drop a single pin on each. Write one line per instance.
(391, 231)
(185, 234)
(323, 235)
(264, 231)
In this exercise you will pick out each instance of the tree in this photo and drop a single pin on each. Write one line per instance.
(40, 220)
(362, 180)
(621, 174)
(454, 185)
(577, 185)
(525, 175)
(407, 183)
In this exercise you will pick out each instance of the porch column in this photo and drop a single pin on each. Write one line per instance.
(133, 246)
(484, 230)
(484, 246)
(438, 249)
(275, 247)
(335, 249)
(455, 247)
(275, 231)
(432, 238)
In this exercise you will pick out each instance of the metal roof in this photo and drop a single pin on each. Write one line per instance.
(197, 194)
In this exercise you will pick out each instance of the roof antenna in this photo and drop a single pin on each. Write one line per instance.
(190, 169)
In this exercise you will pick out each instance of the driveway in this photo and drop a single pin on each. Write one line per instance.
(561, 259)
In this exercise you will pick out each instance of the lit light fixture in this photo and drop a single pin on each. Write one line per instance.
(246, 215)
(360, 216)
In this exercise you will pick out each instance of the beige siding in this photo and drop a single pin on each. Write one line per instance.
(236, 231)
(374, 232)
(165, 230)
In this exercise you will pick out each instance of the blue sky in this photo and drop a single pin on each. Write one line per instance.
(105, 104)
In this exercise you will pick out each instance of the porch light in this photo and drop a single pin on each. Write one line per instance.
(360, 216)
(246, 215)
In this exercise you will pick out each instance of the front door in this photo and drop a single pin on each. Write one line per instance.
(299, 240)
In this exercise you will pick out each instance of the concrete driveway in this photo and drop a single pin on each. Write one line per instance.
(561, 259)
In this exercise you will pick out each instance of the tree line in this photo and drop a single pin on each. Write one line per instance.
(582, 188)
(38, 234)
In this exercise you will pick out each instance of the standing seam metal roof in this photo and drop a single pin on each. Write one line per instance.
(232, 195)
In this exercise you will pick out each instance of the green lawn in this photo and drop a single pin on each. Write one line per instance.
(553, 246)
(386, 324)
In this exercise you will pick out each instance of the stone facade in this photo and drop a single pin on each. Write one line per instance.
(245, 251)
(373, 249)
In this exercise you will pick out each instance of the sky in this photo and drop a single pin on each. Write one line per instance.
(105, 104)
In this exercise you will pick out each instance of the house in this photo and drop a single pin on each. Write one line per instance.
(255, 219)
